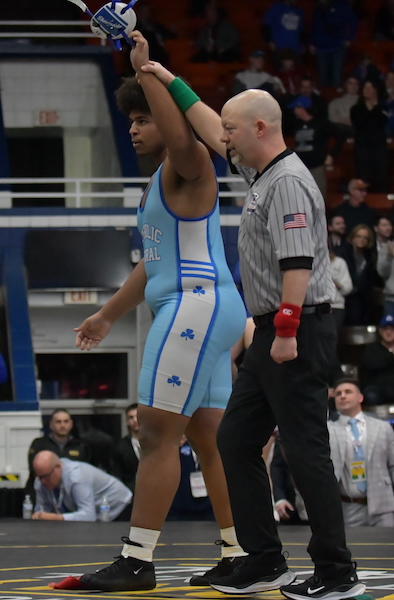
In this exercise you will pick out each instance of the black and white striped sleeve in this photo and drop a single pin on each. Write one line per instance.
(290, 223)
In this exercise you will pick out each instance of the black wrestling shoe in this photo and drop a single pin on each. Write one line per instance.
(251, 575)
(336, 589)
(223, 568)
(124, 575)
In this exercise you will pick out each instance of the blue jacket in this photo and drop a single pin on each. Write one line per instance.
(332, 25)
(286, 24)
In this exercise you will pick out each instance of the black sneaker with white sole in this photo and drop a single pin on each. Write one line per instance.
(223, 568)
(252, 574)
(347, 586)
(124, 575)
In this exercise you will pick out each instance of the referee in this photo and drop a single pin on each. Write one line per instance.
(283, 379)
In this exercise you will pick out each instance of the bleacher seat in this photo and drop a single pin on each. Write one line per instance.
(380, 202)
(352, 342)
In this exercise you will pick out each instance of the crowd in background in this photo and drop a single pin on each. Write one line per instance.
(327, 99)
(325, 107)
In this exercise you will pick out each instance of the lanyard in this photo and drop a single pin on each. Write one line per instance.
(187, 451)
(196, 461)
(58, 502)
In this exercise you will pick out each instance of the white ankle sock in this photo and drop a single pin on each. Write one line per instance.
(228, 535)
(148, 540)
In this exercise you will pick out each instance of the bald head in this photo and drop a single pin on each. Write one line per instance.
(254, 105)
(252, 129)
(48, 468)
(45, 461)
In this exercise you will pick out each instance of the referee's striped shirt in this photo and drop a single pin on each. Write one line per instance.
(283, 218)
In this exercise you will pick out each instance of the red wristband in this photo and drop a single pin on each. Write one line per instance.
(287, 320)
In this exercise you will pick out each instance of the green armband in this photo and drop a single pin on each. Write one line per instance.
(182, 94)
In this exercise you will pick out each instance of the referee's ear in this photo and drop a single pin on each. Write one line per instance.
(261, 127)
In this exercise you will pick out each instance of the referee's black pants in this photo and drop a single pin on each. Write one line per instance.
(292, 395)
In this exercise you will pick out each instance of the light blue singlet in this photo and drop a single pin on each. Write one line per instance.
(199, 314)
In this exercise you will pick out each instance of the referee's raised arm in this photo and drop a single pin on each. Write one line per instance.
(205, 121)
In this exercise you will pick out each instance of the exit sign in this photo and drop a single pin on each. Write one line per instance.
(47, 118)
(80, 297)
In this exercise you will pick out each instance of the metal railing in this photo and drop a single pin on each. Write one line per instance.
(93, 192)
(41, 33)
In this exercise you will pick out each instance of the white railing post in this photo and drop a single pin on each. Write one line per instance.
(6, 199)
(78, 193)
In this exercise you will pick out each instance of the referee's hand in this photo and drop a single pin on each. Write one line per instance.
(284, 349)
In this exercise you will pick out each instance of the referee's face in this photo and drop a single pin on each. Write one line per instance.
(236, 136)
(252, 129)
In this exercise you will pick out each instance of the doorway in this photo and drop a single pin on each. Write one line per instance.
(35, 153)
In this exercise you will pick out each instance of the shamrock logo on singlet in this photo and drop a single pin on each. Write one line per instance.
(174, 380)
(188, 334)
(198, 290)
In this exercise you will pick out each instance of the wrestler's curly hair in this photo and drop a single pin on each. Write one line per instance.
(130, 97)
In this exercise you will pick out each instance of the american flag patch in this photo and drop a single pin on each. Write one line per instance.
(294, 221)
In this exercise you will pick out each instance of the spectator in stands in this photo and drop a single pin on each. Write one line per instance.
(127, 452)
(289, 73)
(383, 231)
(308, 89)
(339, 108)
(311, 136)
(354, 209)
(283, 27)
(191, 501)
(155, 33)
(59, 440)
(343, 283)
(101, 443)
(339, 111)
(385, 262)
(336, 233)
(254, 77)
(73, 491)
(378, 365)
(384, 21)
(366, 69)
(389, 103)
(334, 27)
(370, 146)
(218, 40)
(360, 260)
(362, 452)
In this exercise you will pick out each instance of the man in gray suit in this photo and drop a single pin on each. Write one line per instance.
(362, 451)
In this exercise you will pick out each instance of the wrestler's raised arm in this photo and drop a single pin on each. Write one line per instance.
(204, 120)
